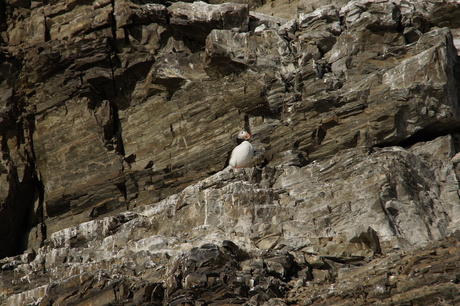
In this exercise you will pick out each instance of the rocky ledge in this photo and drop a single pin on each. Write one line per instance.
(211, 244)
(117, 118)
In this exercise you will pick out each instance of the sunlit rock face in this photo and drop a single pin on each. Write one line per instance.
(116, 123)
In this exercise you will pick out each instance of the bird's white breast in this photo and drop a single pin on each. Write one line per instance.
(241, 155)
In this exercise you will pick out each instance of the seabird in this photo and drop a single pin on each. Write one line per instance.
(243, 152)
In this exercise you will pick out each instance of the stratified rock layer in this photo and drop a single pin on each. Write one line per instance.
(179, 250)
(117, 117)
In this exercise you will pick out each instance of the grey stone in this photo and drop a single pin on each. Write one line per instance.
(195, 20)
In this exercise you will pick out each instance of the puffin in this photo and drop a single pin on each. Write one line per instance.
(243, 152)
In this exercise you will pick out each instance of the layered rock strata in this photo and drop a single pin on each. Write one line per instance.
(117, 117)
(212, 243)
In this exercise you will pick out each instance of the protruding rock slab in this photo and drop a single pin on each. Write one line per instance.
(195, 20)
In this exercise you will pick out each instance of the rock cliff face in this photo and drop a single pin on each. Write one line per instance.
(117, 118)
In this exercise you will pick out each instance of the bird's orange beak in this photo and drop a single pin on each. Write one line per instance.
(247, 136)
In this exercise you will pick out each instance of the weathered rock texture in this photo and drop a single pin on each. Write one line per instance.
(117, 117)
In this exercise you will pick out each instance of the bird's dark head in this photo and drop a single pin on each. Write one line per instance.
(243, 135)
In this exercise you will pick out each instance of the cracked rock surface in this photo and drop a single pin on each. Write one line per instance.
(117, 118)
